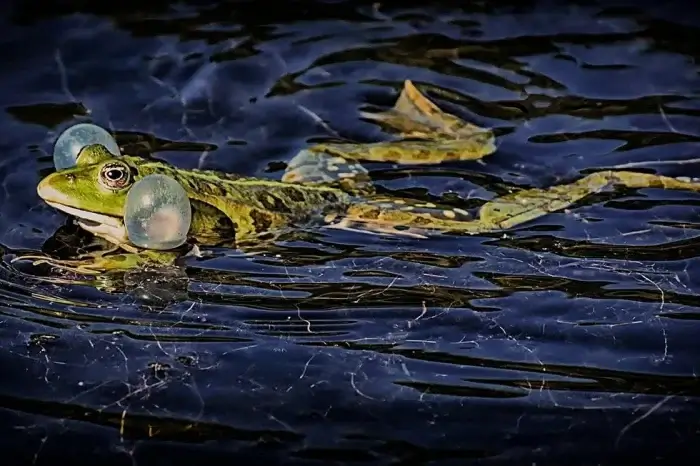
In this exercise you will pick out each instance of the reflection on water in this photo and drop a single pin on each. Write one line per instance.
(571, 338)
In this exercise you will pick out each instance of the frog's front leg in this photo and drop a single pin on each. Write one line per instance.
(100, 262)
(109, 249)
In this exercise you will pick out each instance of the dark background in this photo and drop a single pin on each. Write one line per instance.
(571, 340)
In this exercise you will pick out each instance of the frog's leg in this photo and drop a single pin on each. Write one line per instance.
(101, 262)
(428, 136)
(395, 217)
(316, 167)
(107, 248)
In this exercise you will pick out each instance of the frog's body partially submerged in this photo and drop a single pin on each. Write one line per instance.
(324, 184)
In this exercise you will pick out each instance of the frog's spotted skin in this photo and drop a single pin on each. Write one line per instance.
(323, 184)
(313, 167)
(398, 216)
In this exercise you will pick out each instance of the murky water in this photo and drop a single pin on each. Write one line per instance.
(571, 339)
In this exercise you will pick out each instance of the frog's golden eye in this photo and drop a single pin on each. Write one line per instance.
(115, 175)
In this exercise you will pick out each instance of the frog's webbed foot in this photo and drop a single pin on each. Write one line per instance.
(415, 116)
(429, 135)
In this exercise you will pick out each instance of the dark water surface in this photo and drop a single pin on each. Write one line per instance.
(571, 340)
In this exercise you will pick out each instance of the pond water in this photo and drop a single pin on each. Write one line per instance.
(572, 338)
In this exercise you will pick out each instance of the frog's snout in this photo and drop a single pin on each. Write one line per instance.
(46, 189)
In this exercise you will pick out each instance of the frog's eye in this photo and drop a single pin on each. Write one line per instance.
(157, 214)
(115, 175)
(74, 139)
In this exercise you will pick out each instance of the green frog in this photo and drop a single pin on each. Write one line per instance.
(324, 184)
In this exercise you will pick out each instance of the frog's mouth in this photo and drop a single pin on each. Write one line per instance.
(110, 228)
(89, 217)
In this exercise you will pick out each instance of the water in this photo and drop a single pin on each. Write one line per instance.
(570, 339)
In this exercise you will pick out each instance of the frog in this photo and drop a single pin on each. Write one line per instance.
(325, 184)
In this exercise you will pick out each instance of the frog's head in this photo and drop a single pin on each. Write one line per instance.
(94, 191)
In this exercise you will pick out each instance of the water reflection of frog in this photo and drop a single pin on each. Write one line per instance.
(324, 183)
